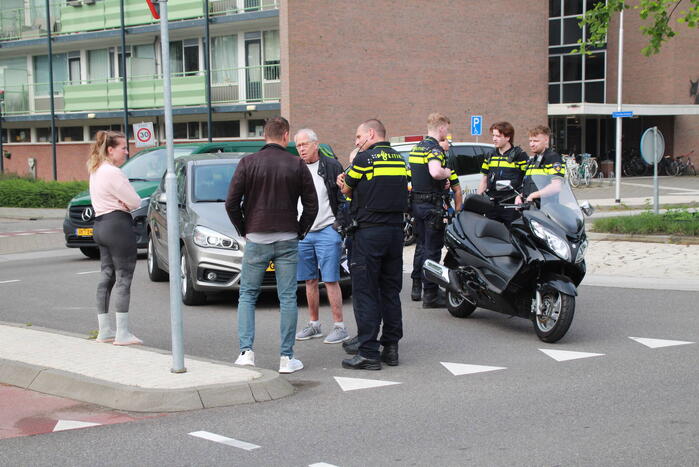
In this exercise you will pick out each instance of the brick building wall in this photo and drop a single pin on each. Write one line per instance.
(459, 58)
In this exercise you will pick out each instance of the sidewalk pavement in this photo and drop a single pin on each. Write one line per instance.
(133, 378)
(31, 213)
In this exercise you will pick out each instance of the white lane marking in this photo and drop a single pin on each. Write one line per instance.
(564, 355)
(458, 369)
(64, 425)
(224, 440)
(676, 188)
(9, 282)
(87, 272)
(24, 233)
(321, 464)
(658, 343)
(351, 384)
(3, 236)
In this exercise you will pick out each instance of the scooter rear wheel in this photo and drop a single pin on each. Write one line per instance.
(556, 317)
(458, 306)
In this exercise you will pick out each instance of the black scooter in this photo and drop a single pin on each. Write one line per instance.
(531, 270)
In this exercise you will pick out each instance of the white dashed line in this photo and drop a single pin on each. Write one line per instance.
(9, 282)
(86, 272)
(224, 440)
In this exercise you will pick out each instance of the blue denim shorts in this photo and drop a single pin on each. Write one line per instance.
(320, 250)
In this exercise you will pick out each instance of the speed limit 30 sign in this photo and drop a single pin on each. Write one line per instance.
(144, 134)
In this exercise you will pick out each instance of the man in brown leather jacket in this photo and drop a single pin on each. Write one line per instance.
(262, 204)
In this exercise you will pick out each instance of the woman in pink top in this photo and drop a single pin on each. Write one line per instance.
(113, 198)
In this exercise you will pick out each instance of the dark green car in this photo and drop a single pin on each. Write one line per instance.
(145, 170)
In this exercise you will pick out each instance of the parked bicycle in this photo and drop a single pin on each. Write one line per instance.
(580, 173)
(683, 165)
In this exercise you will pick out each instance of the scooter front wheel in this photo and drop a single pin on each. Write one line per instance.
(458, 306)
(556, 316)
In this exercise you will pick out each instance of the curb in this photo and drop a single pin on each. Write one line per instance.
(269, 386)
(614, 237)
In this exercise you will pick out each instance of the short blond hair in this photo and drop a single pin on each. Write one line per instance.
(435, 120)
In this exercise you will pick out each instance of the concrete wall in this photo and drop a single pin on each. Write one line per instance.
(344, 62)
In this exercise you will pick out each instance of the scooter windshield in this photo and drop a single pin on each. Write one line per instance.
(558, 202)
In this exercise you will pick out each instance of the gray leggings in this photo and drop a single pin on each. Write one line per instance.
(115, 236)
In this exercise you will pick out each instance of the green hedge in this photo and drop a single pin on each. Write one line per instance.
(18, 192)
(673, 222)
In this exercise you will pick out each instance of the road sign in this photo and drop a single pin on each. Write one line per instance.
(652, 146)
(625, 114)
(476, 125)
(154, 8)
(143, 133)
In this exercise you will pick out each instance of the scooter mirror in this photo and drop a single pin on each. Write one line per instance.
(503, 185)
(587, 208)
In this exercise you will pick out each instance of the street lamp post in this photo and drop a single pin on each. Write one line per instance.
(619, 84)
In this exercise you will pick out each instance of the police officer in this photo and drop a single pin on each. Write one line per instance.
(544, 161)
(430, 179)
(378, 185)
(506, 162)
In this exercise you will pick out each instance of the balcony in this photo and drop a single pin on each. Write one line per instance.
(74, 16)
(244, 85)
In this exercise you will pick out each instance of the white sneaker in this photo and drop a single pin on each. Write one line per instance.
(246, 357)
(289, 364)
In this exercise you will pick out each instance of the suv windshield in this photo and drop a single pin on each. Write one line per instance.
(151, 165)
(210, 181)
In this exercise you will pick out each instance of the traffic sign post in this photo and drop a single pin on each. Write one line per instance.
(652, 150)
(476, 126)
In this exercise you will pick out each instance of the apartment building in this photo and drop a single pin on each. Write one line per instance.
(330, 64)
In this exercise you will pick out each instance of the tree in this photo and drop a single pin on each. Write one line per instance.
(659, 30)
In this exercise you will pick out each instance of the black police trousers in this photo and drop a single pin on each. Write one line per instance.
(429, 243)
(377, 279)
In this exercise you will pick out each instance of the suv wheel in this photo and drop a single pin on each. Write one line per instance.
(154, 272)
(189, 295)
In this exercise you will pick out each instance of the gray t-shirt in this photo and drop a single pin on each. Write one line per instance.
(325, 215)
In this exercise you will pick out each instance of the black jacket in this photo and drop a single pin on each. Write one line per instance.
(328, 170)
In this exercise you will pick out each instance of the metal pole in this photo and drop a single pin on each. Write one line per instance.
(207, 66)
(173, 235)
(53, 109)
(123, 67)
(658, 158)
(2, 153)
(620, 79)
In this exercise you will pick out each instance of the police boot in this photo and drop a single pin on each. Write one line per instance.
(433, 299)
(416, 292)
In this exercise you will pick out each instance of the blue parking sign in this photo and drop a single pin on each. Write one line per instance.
(476, 125)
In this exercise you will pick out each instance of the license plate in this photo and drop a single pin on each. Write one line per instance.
(270, 268)
(83, 232)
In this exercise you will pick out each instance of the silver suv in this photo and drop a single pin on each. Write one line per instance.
(211, 253)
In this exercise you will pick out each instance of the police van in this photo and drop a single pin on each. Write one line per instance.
(464, 158)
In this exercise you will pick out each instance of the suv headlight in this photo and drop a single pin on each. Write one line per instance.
(207, 238)
(555, 243)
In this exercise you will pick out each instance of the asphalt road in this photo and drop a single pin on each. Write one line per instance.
(631, 406)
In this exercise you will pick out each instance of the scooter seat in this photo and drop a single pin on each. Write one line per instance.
(491, 237)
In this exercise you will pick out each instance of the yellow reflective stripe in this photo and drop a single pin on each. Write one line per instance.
(503, 164)
(485, 166)
(353, 174)
(395, 162)
(417, 160)
(361, 169)
(453, 176)
(416, 152)
(390, 171)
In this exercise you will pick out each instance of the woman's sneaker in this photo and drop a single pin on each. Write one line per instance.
(309, 332)
(338, 334)
(289, 364)
(246, 357)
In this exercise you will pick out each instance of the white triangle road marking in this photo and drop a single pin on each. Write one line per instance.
(321, 464)
(350, 384)
(224, 440)
(458, 369)
(564, 355)
(64, 425)
(658, 343)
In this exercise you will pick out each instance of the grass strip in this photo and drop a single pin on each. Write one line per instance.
(673, 222)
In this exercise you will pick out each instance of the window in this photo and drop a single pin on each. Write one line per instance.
(98, 65)
(272, 55)
(95, 128)
(128, 61)
(189, 130)
(41, 73)
(143, 61)
(71, 133)
(184, 57)
(224, 59)
(43, 135)
(20, 135)
(466, 160)
(229, 129)
(256, 128)
(74, 67)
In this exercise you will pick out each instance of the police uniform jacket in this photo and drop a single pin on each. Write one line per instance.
(507, 166)
(379, 181)
(548, 163)
(422, 153)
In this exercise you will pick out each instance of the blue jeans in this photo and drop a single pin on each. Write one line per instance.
(256, 258)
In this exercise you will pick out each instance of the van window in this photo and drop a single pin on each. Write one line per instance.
(466, 160)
